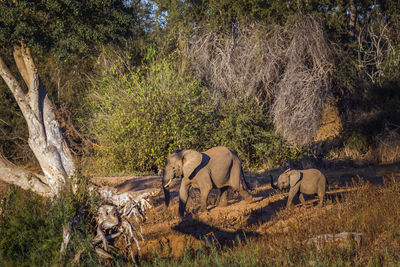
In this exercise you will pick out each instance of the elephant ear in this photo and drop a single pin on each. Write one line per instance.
(294, 177)
(191, 160)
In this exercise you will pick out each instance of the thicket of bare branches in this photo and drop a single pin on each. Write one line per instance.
(375, 45)
(286, 69)
(246, 63)
(304, 87)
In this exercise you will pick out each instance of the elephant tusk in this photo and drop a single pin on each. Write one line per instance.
(168, 183)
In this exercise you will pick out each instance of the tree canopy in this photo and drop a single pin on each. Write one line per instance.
(66, 28)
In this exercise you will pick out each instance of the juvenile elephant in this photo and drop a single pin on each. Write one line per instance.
(218, 167)
(308, 182)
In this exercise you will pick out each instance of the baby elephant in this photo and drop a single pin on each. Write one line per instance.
(308, 182)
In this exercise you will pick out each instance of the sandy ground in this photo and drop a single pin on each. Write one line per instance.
(168, 234)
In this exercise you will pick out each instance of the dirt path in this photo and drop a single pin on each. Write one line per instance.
(165, 232)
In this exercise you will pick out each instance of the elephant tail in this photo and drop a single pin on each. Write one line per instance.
(246, 185)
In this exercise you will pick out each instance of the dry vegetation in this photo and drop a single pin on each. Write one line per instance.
(375, 46)
(388, 146)
(372, 210)
(285, 68)
(245, 63)
(304, 89)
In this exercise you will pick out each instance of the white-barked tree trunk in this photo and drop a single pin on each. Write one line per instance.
(45, 137)
(50, 148)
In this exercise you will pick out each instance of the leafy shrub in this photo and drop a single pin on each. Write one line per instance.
(240, 125)
(274, 150)
(245, 127)
(23, 230)
(140, 116)
(356, 140)
(31, 228)
(13, 130)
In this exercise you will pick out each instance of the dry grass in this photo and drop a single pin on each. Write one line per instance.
(388, 146)
(372, 210)
(385, 149)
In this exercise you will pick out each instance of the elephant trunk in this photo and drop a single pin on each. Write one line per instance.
(166, 195)
(272, 183)
(166, 182)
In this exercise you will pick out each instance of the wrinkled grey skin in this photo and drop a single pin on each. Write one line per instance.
(218, 167)
(308, 182)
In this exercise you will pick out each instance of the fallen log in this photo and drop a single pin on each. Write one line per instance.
(340, 238)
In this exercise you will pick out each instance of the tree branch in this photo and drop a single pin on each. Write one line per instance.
(27, 180)
(45, 137)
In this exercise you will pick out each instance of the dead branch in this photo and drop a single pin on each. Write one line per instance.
(304, 88)
(374, 47)
(285, 69)
(239, 65)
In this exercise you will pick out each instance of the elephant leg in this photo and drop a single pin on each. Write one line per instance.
(321, 193)
(245, 195)
(292, 192)
(204, 192)
(183, 197)
(321, 199)
(236, 180)
(223, 199)
(301, 197)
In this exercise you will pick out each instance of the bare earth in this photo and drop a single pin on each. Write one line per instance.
(165, 232)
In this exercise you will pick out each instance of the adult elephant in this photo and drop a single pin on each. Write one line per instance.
(218, 167)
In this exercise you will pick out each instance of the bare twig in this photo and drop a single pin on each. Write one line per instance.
(304, 87)
(374, 47)
(285, 68)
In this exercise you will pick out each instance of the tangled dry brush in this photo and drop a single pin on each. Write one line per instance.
(285, 69)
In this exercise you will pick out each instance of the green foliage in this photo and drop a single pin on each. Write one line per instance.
(13, 131)
(23, 225)
(357, 140)
(140, 116)
(65, 27)
(248, 129)
(274, 152)
(240, 126)
(31, 227)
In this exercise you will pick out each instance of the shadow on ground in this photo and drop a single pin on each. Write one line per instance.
(201, 231)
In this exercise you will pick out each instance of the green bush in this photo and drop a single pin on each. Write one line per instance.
(31, 228)
(140, 116)
(13, 130)
(137, 116)
(355, 139)
(274, 152)
(248, 129)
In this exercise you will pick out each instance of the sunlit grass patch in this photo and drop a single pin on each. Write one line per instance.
(372, 210)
